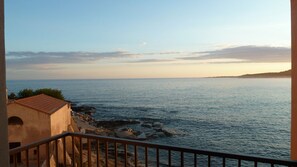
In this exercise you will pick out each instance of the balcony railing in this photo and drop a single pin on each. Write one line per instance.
(76, 149)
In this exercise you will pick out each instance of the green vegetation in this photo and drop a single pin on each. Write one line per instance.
(50, 92)
(25, 93)
(12, 96)
(30, 92)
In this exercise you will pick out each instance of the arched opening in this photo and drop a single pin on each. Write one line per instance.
(15, 121)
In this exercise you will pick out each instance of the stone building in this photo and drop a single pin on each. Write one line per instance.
(35, 118)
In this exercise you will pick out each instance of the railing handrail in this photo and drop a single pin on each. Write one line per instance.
(191, 150)
(159, 146)
(37, 143)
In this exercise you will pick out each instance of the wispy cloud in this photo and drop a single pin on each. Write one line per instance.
(252, 54)
(54, 60)
(143, 43)
(152, 61)
(166, 53)
(17, 59)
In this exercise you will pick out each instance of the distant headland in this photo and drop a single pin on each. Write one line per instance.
(282, 74)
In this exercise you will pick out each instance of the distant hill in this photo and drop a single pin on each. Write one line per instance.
(283, 74)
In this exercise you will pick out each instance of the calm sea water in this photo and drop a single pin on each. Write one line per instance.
(247, 116)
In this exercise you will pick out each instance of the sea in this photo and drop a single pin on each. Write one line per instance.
(234, 115)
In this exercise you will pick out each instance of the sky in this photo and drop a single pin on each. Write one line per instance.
(75, 39)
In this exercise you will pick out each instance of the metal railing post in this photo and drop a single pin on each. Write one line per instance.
(184, 159)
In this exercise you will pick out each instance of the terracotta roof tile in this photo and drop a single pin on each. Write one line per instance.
(42, 103)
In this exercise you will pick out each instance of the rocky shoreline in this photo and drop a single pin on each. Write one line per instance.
(83, 121)
(145, 129)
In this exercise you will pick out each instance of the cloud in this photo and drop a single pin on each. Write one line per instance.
(232, 54)
(239, 54)
(251, 54)
(143, 43)
(165, 53)
(152, 61)
(17, 59)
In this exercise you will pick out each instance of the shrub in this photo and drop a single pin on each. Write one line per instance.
(12, 96)
(29, 92)
(25, 93)
(50, 92)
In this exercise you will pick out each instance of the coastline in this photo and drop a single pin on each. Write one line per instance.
(282, 74)
(84, 122)
(128, 129)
